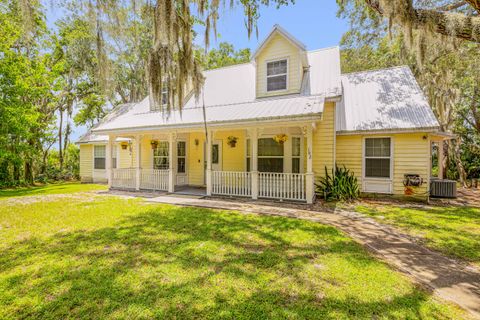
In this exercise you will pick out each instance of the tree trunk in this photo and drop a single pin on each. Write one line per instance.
(461, 170)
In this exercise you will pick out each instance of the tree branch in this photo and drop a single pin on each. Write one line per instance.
(445, 23)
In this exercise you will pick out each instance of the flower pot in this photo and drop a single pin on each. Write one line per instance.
(124, 146)
(232, 144)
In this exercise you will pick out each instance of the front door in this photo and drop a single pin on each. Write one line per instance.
(216, 157)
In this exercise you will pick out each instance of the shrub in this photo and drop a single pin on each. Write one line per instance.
(340, 185)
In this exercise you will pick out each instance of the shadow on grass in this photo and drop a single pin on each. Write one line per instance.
(171, 262)
(56, 188)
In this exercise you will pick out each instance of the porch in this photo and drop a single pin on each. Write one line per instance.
(192, 162)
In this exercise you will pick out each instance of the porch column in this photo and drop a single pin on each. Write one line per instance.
(309, 179)
(209, 162)
(138, 144)
(440, 159)
(171, 162)
(108, 160)
(254, 169)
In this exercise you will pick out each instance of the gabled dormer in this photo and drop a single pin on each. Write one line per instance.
(281, 61)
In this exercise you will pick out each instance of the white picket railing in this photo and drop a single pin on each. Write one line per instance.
(123, 178)
(288, 186)
(154, 179)
(232, 183)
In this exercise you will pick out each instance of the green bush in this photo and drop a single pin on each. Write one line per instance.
(341, 184)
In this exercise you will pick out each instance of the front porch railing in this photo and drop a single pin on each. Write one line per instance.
(123, 178)
(232, 183)
(288, 186)
(154, 179)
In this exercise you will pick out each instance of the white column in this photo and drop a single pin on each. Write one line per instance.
(254, 159)
(171, 162)
(209, 162)
(108, 161)
(138, 148)
(309, 179)
(440, 159)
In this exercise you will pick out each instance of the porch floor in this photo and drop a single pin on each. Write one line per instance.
(191, 190)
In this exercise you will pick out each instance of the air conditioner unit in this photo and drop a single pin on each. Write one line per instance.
(443, 188)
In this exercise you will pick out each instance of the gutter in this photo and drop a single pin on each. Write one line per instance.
(396, 130)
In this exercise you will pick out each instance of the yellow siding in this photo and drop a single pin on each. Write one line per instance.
(146, 153)
(324, 141)
(125, 157)
(195, 159)
(411, 154)
(86, 162)
(233, 158)
(278, 47)
(349, 154)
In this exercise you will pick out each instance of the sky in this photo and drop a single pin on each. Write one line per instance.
(313, 22)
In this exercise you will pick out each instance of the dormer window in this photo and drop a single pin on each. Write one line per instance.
(164, 99)
(277, 75)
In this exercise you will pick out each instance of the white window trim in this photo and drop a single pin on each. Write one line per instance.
(153, 156)
(185, 156)
(93, 157)
(287, 152)
(380, 180)
(276, 75)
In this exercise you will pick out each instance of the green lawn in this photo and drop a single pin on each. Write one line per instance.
(452, 230)
(57, 188)
(93, 256)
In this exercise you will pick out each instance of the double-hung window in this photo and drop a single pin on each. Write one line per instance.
(277, 75)
(181, 156)
(99, 153)
(270, 155)
(378, 158)
(160, 156)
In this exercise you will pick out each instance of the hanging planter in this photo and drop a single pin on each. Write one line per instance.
(280, 138)
(154, 144)
(124, 145)
(232, 141)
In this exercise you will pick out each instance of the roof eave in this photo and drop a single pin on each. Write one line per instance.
(433, 129)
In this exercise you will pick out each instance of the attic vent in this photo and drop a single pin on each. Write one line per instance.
(443, 188)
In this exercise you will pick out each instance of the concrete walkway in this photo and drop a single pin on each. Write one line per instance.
(446, 277)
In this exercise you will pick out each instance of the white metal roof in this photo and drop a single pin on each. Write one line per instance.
(91, 138)
(387, 99)
(141, 118)
(229, 95)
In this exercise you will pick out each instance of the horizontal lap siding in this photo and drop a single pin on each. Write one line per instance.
(411, 156)
(233, 158)
(86, 162)
(324, 141)
(125, 158)
(349, 154)
(279, 47)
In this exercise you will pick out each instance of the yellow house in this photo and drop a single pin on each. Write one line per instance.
(269, 128)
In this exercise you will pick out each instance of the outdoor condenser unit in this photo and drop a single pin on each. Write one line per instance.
(440, 188)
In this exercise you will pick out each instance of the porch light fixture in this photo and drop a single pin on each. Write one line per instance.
(197, 142)
(280, 138)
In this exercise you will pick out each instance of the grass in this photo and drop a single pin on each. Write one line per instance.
(57, 188)
(94, 256)
(454, 231)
